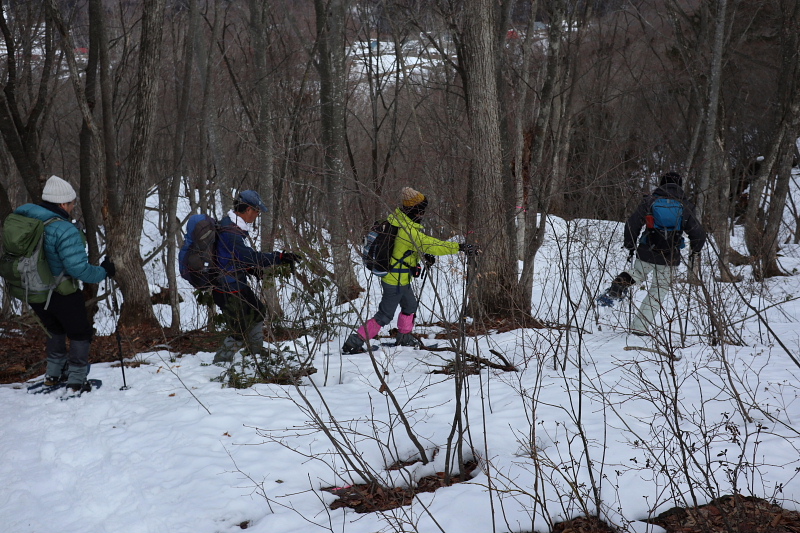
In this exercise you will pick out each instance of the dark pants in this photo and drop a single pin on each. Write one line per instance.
(240, 310)
(66, 315)
(394, 295)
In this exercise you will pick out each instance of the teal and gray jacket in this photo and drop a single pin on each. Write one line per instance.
(64, 243)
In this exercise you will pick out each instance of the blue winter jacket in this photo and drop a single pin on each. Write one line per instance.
(64, 244)
(236, 259)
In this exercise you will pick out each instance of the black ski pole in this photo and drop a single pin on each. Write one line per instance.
(112, 287)
(630, 292)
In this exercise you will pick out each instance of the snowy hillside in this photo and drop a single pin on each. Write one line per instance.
(593, 421)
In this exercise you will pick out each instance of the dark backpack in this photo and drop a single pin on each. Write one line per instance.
(664, 225)
(378, 247)
(197, 258)
(23, 264)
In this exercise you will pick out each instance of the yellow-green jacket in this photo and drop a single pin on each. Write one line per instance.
(410, 238)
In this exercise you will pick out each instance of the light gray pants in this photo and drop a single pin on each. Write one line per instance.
(663, 276)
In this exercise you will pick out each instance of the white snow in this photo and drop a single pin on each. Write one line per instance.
(582, 419)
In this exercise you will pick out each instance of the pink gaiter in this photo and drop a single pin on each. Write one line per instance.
(405, 323)
(369, 330)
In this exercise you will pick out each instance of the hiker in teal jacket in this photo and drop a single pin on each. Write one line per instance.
(64, 316)
(410, 245)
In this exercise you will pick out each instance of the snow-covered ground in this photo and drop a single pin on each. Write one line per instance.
(587, 424)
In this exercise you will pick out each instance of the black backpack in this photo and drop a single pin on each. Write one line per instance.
(664, 225)
(378, 247)
(197, 258)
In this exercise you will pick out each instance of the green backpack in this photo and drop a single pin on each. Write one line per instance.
(23, 264)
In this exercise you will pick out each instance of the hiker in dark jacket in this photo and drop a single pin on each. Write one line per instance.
(655, 254)
(410, 245)
(64, 316)
(241, 309)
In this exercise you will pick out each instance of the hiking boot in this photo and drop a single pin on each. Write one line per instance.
(230, 346)
(406, 339)
(354, 344)
(80, 387)
(52, 381)
(617, 291)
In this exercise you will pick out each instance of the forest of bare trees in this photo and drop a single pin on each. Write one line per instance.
(501, 112)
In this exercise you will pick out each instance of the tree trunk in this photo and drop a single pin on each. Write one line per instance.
(490, 208)
(541, 181)
(127, 201)
(761, 230)
(183, 91)
(331, 67)
(21, 127)
(521, 126)
(713, 204)
(264, 130)
(207, 67)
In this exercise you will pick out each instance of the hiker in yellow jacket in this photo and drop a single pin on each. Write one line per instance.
(410, 245)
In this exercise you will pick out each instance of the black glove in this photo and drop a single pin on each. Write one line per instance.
(631, 251)
(288, 257)
(469, 249)
(109, 267)
(429, 260)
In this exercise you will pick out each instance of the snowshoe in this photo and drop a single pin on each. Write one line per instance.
(617, 291)
(353, 345)
(406, 339)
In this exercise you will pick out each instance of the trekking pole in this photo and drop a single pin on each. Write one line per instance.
(424, 280)
(112, 287)
(690, 279)
(630, 293)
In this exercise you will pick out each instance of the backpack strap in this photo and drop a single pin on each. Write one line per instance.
(402, 261)
(61, 277)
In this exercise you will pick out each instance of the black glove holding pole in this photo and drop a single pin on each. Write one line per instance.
(288, 258)
(469, 249)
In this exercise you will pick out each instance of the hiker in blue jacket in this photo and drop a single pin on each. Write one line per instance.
(242, 310)
(64, 316)
(656, 252)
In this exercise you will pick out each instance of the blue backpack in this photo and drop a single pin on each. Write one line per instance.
(664, 225)
(197, 258)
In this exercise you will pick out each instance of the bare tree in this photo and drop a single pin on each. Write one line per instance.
(179, 164)
(761, 231)
(490, 207)
(126, 197)
(542, 182)
(331, 16)
(24, 99)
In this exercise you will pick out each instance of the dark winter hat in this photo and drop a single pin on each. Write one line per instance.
(671, 177)
(251, 198)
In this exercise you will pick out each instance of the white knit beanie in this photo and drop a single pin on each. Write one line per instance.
(58, 191)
